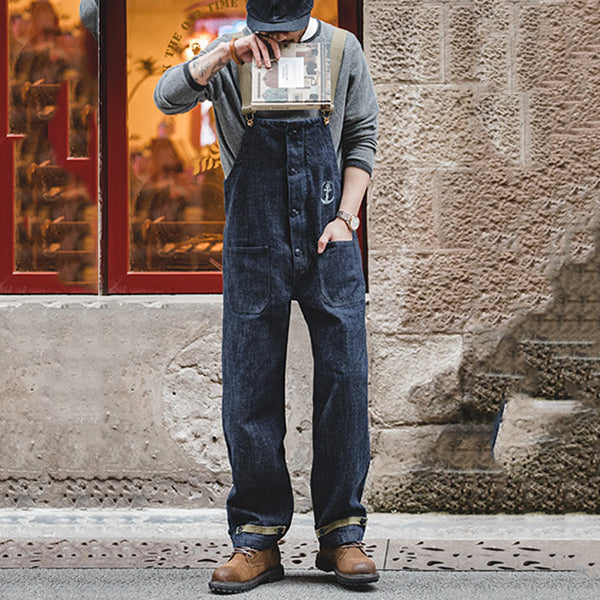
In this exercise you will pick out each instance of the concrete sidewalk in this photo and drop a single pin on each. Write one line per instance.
(182, 584)
(179, 538)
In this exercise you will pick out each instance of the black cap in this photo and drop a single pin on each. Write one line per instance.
(278, 15)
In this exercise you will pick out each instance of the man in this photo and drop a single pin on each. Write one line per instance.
(290, 234)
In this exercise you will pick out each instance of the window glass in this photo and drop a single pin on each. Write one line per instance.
(176, 214)
(52, 104)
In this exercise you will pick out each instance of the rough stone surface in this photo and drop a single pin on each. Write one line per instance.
(483, 228)
(408, 46)
(478, 42)
(116, 402)
(414, 374)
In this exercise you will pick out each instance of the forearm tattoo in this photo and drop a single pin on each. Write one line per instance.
(203, 68)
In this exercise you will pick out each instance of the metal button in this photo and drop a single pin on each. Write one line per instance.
(294, 131)
(297, 252)
(294, 212)
(293, 171)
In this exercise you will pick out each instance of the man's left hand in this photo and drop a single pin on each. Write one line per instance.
(334, 230)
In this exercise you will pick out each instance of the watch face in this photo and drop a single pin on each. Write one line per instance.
(354, 223)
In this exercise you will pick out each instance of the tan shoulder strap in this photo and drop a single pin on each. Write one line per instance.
(337, 52)
(245, 77)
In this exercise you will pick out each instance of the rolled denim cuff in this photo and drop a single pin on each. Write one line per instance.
(256, 536)
(351, 529)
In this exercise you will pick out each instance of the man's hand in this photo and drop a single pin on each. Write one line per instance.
(334, 230)
(253, 46)
(355, 186)
(204, 67)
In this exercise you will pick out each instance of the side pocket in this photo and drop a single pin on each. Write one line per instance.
(247, 279)
(340, 273)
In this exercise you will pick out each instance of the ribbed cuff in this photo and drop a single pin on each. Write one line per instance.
(361, 164)
(191, 81)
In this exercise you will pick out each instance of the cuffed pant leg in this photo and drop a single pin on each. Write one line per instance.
(341, 453)
(254, 352)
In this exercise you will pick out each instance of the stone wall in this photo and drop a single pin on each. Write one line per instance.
(116, 402)
(483, 255)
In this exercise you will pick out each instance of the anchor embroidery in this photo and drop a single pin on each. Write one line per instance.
(327, 195)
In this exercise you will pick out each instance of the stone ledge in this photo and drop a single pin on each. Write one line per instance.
(205, 523)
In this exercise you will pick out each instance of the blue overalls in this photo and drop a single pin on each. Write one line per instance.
(284, 188)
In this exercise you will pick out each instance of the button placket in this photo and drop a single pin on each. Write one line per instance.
(296, 189)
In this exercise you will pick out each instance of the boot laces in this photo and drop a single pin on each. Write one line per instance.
(251, 552)
(359, 545)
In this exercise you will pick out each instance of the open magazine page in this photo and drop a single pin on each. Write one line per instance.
(300, 79)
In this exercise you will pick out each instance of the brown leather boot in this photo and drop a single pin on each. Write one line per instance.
(349, 562)
(247, 568)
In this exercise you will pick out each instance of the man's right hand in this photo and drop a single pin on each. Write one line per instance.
(204, 67)
(253, 46)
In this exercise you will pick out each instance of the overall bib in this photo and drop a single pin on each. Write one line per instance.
(284, 188)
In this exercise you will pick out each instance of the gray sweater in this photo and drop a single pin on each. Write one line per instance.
(353, 122)
(88, 12)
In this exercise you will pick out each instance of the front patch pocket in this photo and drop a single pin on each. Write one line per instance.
(340, 273)
(247, 279)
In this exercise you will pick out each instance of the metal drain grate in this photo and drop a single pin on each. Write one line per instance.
(473, 555)
(441, 555)
(106, 553)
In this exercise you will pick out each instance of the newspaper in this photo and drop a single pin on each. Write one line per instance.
(299, 80)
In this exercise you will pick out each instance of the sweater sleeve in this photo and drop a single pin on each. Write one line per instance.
(359, 136)
(88, 12)
(178, 92)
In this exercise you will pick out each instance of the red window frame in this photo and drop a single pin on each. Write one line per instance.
(86, 169)
(115, 173)
(113, 256)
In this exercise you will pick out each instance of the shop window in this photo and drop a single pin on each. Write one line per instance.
(162, 214)
(48, 149)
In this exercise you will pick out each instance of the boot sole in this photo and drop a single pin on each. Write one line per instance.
(235, 587)
(357, 579)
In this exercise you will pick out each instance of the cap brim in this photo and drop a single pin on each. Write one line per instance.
(295, 25)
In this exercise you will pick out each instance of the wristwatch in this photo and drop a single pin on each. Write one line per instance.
(352, 221)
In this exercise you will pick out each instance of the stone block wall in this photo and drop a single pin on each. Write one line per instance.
(116, 402)
(484, 268)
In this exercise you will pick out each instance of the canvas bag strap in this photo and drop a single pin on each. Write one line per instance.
(245, 77)
(337, 52)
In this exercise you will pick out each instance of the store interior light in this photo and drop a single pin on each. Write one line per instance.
(198, 43)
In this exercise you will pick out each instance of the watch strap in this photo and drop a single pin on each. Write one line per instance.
(347, 217)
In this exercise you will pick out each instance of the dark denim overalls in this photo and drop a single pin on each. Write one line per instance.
(284, 188)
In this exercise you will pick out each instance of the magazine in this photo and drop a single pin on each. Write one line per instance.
(299, 80)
